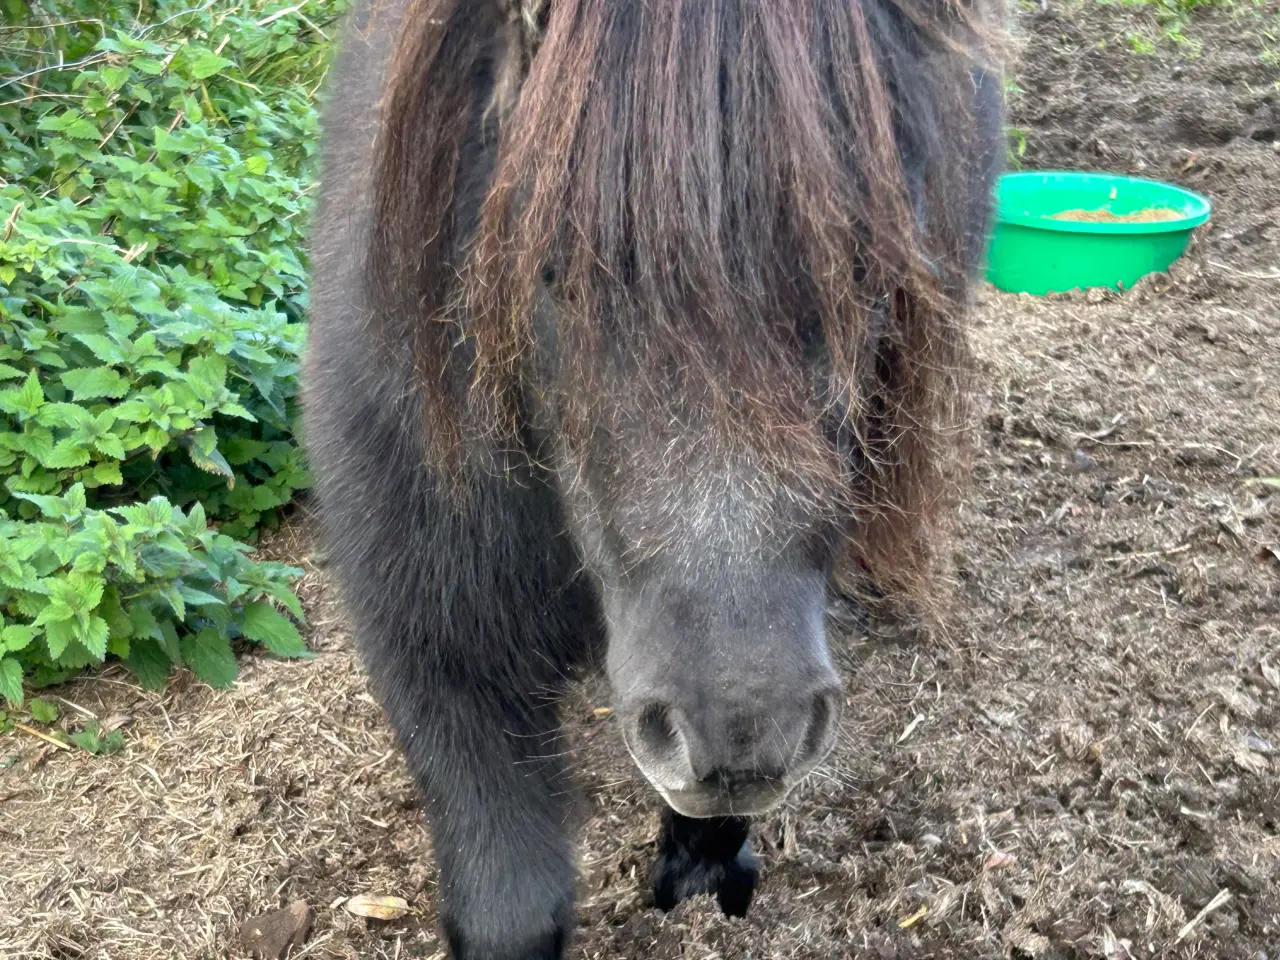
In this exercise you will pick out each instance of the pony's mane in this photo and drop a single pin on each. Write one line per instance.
(709, 188)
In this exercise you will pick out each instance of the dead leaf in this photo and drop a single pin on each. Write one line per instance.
(378, 908)
(1237, 701)
(1113, 948)
(1001, 718)
(1250, 761)
(914, 918)
(1000, 861)
(1270, 673)
(273, 935)
(116, 721)
(919, 719)
(998, 817)
(1074, 740)
(1252, 741)
(1021, 937)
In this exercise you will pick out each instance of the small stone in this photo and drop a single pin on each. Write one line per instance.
(1042, 806)
(1258, 745)
(1081, 461)
(273, 935)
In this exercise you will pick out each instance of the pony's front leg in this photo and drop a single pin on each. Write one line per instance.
(470, 677)
(468, 615)
(498, 812)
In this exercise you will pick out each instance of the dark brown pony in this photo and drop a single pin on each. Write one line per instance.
(637, 329)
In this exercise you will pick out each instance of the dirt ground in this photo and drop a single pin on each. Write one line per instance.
(1085, 765)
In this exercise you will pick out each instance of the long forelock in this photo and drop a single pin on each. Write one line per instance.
(702, 176)
(698, 181)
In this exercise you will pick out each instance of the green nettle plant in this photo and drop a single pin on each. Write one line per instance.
(155, 165)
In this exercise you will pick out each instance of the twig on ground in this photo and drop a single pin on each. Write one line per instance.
(1218, 901)
(43, 736)
(1243, 273)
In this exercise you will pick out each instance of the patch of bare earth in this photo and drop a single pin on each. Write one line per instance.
(1089, 766)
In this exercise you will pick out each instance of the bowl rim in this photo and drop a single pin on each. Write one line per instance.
(1199, 205)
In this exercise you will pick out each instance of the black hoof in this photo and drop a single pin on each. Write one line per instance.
(705, 856)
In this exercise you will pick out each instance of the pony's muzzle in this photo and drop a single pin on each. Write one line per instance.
(711, 757)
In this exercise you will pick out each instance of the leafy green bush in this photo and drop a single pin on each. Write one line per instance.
(154, 180)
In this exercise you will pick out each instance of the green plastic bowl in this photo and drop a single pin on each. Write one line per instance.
(1033, 252)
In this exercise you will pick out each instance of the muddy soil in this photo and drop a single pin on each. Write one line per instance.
(1087, 766)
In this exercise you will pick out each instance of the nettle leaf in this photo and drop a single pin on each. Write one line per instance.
(104, 421)
(147, 65)
(155, 293)
(240, 450)
(75, 500)
(68, 507)
(112, 611)
(233, 409)
(58, 636)
(79, 592)
(114, 77)
(11, 680)
(24, 401)
(107, 474)
(263, 623)
(36, 441)
(94, 382)
(89, 561)
(202, 447)
(144, 623)
(91, 740)
(209, 655)
(198, 598)
(30, 604)
(104, 348)
(195, 523)
(17, 636)
(43, 711)
(69, 123)
(67, 453)
(148, 662)
(111, 446)
(207, 64)
(160, 178)
(65, 415)
(172, 595)
(207, 375)
(202, 177)
(93, 634)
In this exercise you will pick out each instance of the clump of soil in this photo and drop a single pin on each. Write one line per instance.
(1088, 766)
(1155, 215)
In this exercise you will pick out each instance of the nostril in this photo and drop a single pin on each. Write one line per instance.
(655, 728)
(823, 720)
